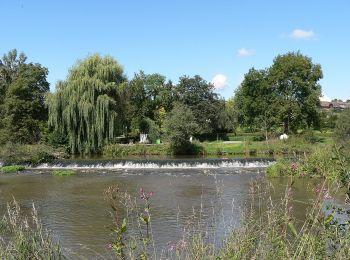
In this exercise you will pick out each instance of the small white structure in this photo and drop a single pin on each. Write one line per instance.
(191, 139)
(284, 137)
(143, 138)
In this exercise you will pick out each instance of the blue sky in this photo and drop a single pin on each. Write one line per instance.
(219, 40)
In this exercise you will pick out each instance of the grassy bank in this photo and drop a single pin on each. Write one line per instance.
(242, 145)
(17, 154)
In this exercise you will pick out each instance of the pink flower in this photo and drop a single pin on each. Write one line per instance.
(182, 244)
(294, 167)
(145, 195)
(109, 246)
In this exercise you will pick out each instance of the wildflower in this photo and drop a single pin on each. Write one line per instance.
(182, 244)
(109, 246)
(145, 195)
(171, 246)
(327, 196)
(302, 174)
(294, 167)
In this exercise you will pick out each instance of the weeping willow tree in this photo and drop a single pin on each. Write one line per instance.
(88, 105)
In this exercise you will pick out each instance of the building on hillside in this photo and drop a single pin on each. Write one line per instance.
(334, 105)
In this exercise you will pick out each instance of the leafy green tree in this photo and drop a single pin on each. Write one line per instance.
(227, 119)
(199, 96)
(22, 101)
(180, 125)
(150, 97)
(294, 79)
(255, 101)
(9, 66)
(89, 106)
(286, 94)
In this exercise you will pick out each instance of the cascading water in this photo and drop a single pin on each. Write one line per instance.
(159, 164)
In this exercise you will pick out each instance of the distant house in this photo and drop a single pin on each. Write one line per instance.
(334, 105)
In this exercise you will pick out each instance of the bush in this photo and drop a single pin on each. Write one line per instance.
(282, 167)
(63, 172)
(12, 168)
(342, 132)
(26, 154)
(118, 150)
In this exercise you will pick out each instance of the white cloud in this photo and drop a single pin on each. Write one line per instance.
(244, 52)
(219, 81)
(300, 34)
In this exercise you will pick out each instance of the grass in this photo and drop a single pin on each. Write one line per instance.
(27, 154)
(23, 237)
(122, 150)
(12, 168)
(269, 229)
(63, 172)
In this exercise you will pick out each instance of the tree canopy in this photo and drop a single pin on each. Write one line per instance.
(23, 87)
(199, 96)
(286, 94)
(88, 106)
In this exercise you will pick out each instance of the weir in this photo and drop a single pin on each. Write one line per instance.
(158, 164)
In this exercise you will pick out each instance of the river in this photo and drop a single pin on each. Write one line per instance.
(212, 192)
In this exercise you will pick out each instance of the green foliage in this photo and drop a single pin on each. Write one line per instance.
(295, 82)
(63, 172)
(276, 234)
(287, 93)
(282, 167)
(12, 168)
(22, 106)
(89, 106)
(320, 163)
(342, 132)
(121, 150)
(24, 237)
(27, 154)
(150, 127)
(179, 126)
(199, 97)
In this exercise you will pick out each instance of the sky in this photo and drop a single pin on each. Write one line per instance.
(219, 40)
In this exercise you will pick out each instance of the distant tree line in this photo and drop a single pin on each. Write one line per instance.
(97, 105)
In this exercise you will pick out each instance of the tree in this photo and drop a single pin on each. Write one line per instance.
(179, 126)
(227, 119)
(9, 66)
(198, 95)
(285, 94)
(294, 79)
(150, 97)
(22, 101)
(89, 106)
(255, 101)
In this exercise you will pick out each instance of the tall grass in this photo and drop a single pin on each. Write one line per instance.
(269, 231)
(24, 238)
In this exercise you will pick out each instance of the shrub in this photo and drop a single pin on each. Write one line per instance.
(282, 167)
(12, 168)
(26, 154)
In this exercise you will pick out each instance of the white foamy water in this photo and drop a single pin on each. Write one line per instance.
(203, 164)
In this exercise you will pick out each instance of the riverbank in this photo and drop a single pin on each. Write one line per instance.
(244, 145)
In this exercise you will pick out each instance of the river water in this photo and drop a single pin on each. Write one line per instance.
(211, 192)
